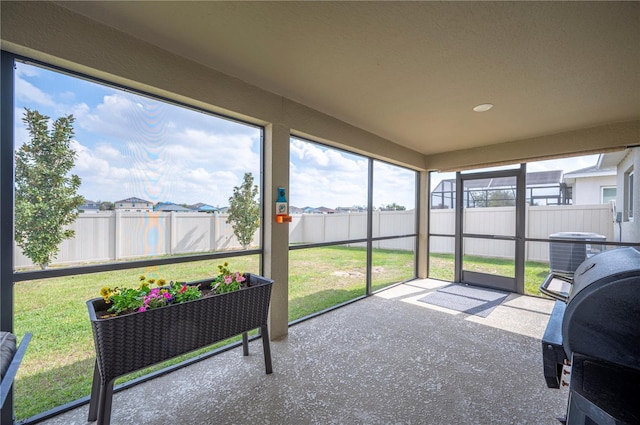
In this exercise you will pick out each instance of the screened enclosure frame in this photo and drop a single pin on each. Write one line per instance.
(6, 200)
(520, 237)
(370, 239)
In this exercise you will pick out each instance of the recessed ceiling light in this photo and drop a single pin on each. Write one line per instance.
(483, 107)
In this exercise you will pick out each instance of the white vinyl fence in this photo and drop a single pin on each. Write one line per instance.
(116, 236)
(318, 228)
(541, 222)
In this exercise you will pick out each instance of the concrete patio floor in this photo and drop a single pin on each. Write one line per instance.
(388, 359)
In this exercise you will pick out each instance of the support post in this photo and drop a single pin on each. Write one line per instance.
(276, 235)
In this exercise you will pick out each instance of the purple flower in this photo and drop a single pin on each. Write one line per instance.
(143, 308)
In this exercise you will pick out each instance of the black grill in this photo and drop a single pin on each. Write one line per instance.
(595, 334)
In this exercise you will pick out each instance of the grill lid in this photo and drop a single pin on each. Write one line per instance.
(602, 318)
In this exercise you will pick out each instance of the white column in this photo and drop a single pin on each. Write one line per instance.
(423, 221)
(276, 235)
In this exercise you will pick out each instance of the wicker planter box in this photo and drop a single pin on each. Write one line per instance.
(128, 343)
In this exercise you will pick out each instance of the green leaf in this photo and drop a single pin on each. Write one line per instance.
(46, 198)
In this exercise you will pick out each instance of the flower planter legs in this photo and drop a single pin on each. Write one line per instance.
(101, 398)
(266, 348)
(184, 327)
(102, 393)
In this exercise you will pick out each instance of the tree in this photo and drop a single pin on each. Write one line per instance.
(394, 207)
(46, 198)
(502, 198)
(480, 198)
(106, 206)
(244, 211)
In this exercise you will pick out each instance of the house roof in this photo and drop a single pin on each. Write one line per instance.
(170, 206)
(593, 171)
(611, 159)
(537, 178)
(318, 210)
(350, 209)
(200, 206)
(132, 200)
(89, 205)
(534, 178)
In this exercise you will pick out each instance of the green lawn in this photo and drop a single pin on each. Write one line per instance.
(441, 266)
(323, 277)
(58, 366)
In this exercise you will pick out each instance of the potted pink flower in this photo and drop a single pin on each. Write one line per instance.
(151, 325)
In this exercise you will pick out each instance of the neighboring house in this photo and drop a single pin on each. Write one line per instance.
(592, 185)
(542, 188)
(89, 207)
(200, 207)
(626, 163)
(133, 204)
(319, 210)
(354, 209)
(170, 206)
(295, 210)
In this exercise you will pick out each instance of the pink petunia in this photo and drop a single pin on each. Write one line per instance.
(228, 279)
(239, 277)
(166, 295)
(141, 309)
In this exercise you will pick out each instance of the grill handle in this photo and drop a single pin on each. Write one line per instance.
(555, 294)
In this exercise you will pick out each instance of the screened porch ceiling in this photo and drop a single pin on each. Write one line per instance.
(411, 72)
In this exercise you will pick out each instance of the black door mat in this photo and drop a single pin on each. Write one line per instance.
(467, 299)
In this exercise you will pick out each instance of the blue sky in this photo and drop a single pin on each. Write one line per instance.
(131, 145)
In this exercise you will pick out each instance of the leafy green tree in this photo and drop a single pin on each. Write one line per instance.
(46, 198)
(244, 211)
(480, 198)
(106, 206)
(502, 198)
(394, 207)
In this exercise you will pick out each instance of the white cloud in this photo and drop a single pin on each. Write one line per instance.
(20, 132)
(130, 145)
(160, 158)
(108, 152)
(322, 176)
(314, 155)
(392, 184)
(28, 93)
(326, 177)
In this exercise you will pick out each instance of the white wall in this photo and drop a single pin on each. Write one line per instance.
(630, 230)
(588, 190)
